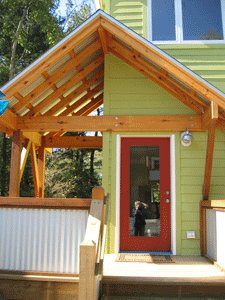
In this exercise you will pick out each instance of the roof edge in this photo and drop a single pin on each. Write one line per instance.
(97, 14)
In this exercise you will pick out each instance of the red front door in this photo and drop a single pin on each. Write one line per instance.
(145, 194)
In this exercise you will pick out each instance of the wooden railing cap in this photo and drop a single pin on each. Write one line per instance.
(98, 193)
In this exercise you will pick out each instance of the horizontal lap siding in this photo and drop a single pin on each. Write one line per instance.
(132, 13)
(208, 61)
(128, 92)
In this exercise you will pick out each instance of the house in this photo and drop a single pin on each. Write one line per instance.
(158, 70)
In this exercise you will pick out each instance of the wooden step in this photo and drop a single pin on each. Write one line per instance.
(186, 277)
(134, 289)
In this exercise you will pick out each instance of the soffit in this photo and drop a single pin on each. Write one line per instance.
(69, 79)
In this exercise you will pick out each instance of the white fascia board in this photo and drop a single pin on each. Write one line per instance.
(138, 37)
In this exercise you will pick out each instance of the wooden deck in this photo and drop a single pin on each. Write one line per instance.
(188, 276)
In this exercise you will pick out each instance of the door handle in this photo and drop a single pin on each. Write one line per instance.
(167, 200)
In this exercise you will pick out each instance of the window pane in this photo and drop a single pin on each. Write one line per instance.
(163, 20)
(202, 20)
(144, 191)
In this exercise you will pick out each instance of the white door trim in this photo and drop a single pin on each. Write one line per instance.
(172, 186)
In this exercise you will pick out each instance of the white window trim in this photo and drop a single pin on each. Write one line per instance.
(179, 26)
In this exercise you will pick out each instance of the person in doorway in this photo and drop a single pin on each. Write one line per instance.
(139, 218)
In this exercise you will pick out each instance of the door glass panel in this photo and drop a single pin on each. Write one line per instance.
(144, 191)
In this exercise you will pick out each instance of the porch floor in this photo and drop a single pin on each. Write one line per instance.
(187, 277)
(184, 268)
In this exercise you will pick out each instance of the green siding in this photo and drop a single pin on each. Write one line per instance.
(208, 61)
(132, 13)
(129, 93)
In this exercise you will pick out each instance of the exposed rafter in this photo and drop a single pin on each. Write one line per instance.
(69, 79)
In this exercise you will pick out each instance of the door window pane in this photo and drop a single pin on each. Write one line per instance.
(202, 20)
(163, 20)
(144, 191)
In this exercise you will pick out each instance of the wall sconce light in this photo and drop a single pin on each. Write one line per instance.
(3, 103)
(186, 138)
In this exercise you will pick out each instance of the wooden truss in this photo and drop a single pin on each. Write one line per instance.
(58, 92)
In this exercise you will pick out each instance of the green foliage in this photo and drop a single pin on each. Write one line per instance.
(76, 14)
(68, 173)
(5, 153)
(28, 29)
(40, 29)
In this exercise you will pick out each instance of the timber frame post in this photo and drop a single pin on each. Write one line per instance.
(89, 248)
(34, 164)
(41, 171)
(14, 183)
(210, 148)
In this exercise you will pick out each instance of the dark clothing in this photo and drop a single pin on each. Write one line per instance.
(139, 223)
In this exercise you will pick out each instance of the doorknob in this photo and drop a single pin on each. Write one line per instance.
(167, 200)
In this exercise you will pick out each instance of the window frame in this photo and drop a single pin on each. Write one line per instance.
(179, 26)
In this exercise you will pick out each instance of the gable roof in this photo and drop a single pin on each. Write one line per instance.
(69, 78)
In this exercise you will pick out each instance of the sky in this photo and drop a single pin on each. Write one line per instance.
(62, 5)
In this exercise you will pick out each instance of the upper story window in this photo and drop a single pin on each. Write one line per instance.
(186, 21)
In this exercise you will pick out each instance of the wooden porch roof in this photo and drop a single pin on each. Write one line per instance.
(68, 80)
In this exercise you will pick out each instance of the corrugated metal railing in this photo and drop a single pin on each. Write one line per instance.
(212, 230)
(42, 235)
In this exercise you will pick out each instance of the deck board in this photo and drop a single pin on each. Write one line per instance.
(187, 269)
(189, 277)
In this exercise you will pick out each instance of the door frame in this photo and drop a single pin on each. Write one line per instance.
(172, 186)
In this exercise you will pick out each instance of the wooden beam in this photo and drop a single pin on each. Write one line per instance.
(24, 156)
(14, 184)
(211, 113)
(89, 247)
(111, 123)
(202, 230)
(60, 203)
(41, 171)
(50, 82)
(159, 77)
(75, 94)
(102, 37)
(209, 151)
(87, 280)
(83, 142)
(90, 107)
(9, 121)
(34, 137)
(50, 58)
(65, 87)
(36, 178)
(163, 62)
(217, 204)
(88, 96)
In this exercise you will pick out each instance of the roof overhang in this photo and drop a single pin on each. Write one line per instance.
(68, 80)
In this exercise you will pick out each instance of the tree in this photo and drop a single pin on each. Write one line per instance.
(35, 28)
(28, 29)
(77, 12)
(73, 172)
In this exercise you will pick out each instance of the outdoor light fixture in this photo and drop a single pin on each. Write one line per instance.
(186, 138)
(3, 103)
